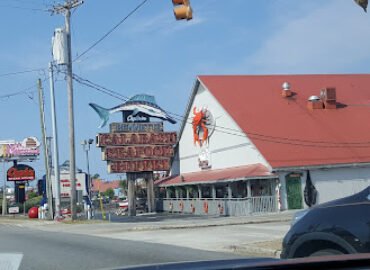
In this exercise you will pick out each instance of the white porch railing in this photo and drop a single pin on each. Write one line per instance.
(228, 207)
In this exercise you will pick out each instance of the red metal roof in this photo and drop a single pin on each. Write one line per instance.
(102, 186)
(233, 173)
(285, 131)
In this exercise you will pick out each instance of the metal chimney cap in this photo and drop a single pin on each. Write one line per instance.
(286, 86)
(313, 98)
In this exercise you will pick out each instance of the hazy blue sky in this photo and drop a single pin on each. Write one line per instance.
(153, 53)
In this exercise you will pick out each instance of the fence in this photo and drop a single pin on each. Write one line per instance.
(227, 207)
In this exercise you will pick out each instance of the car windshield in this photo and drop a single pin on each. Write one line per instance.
(149, 132)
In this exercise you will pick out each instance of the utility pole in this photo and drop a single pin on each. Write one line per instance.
(86, 147)
(4, 208)
(46, 152)
(56, 185)
(66, 9)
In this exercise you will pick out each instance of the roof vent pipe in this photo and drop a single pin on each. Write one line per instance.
(314, 102)
(286, 92)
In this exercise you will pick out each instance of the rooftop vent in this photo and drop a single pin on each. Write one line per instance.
(329, 97)
(286, 92)
(314, 102)
(313, 98)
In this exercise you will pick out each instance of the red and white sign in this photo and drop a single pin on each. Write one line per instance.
(65, 184)
(139, 166)
(121, 139)
(20, 172)
(137, 152)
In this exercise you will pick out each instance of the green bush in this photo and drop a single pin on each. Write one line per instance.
(30, 203)
(109, 193)
(32, 195)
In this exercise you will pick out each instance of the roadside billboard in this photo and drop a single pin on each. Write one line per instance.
(20, 172)
(65, 184)
(29, 148)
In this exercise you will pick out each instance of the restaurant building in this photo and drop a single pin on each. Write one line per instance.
(252, 144)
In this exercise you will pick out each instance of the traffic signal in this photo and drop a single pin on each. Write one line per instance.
(362, 3)
(182, 9)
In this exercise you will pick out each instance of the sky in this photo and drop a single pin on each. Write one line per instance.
(153, 53)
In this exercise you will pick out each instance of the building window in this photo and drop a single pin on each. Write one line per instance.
(206, 192)
(221, 191)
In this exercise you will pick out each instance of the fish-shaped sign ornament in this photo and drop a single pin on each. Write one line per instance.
(136, 144)
(139, 108)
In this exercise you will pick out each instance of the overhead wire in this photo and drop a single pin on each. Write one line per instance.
(111, 30)
(26, 91)
(21, 72)
(24, 8)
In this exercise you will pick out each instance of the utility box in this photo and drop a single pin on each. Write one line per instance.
(59, 45)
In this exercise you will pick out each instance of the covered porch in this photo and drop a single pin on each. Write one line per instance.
(237, 191)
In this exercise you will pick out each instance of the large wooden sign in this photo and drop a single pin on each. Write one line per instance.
(139, 165)
(136, 127)
(122, 139)
(137, 152)
(137, 147)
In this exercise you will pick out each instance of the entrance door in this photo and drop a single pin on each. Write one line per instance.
(294, 191)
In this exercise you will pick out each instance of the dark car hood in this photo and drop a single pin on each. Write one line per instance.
(356, 198)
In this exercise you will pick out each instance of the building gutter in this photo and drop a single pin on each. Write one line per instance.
(321, 167)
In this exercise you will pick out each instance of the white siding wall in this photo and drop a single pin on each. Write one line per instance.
(341, 182)
(226, 150)
(332, 183)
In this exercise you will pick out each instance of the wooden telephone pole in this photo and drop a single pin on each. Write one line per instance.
(66, 10)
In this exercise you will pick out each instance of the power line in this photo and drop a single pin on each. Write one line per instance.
(21, 72)
(23, 8)
(22, 92)
(111, 30)
(235, 132)
(25, 91)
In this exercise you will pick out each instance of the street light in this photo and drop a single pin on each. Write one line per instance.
(86, 147)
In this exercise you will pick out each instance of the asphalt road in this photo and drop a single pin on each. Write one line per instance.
(56, 250)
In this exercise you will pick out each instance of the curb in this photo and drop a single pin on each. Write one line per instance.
(248, 250)
(191, 226)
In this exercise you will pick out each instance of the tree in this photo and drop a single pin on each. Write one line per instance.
(123, 184)
(95, 176)
(31, 195)
(109, 193)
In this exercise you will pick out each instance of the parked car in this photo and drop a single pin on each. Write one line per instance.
(336, 227)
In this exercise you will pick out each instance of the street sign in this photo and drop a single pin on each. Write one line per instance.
(137, 152)
(14, 210)
(139, 166)
(136, 127)
(121, 139)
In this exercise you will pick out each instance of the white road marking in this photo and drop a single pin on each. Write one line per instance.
(10, 261)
